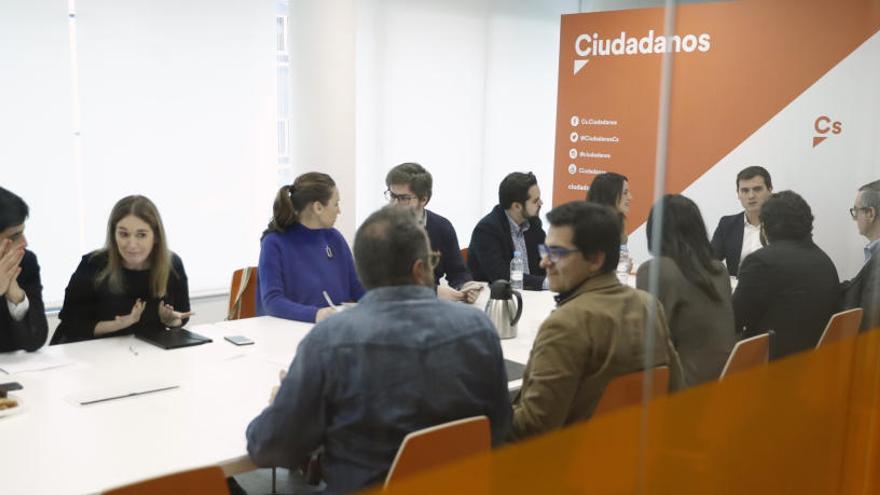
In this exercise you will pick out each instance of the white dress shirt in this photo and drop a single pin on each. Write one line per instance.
(17, 311)
(751, 239)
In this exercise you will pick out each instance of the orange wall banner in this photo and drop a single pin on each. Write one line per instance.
(735, 65)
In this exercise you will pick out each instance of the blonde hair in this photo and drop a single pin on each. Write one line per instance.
(160, 257)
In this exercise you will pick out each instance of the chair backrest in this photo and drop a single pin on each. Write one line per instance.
(841, 326)
(440, 444)
(208, 481)
(748, 353)
(628, 390)
(464, 255)
(243, 294)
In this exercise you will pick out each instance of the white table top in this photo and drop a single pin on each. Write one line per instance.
(57, 446)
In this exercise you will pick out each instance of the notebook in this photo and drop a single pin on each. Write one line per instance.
(173, 339)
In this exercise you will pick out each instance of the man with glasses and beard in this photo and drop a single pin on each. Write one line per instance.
(410, 187)
(401, 361)
(597, 331)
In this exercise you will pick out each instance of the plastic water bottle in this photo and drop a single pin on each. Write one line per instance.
(624, 265)
(516, 271)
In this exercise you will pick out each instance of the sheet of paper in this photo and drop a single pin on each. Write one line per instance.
(31, 361)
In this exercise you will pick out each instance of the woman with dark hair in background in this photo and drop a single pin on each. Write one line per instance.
(612, 189)
(694, 288)
(22, 316)
(133, 284)
(302, 255)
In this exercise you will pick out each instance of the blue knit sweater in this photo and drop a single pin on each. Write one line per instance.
(297, 265)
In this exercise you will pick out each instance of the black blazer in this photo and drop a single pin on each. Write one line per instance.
(727, 241)
(862, 292)
(29, 333)
(491, 250)
(790, 287)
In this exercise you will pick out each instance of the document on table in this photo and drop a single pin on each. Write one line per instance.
(31, 361)
(120, 391)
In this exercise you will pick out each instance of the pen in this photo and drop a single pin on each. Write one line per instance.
(131, 394)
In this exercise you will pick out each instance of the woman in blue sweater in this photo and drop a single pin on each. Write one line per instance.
(302, 255)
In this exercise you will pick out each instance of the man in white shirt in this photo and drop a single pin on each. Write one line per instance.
(863, 291)
(739, 235)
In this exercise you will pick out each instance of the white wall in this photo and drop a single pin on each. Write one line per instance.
(466, 88)
(173, 100)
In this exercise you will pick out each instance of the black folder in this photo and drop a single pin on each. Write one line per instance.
(173, 339)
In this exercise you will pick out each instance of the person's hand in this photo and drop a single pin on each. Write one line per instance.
(274, 393)
(323, 313)
(10, 259)
(171, 318)
(125, 321)
(471, 291)
(448, 293)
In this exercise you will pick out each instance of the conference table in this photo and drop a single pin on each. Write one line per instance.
(155, 411)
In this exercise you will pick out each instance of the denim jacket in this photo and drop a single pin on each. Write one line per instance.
(361, 380)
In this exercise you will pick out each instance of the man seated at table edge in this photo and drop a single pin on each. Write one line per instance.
(512, 225)
(401, 361)
(597, 330)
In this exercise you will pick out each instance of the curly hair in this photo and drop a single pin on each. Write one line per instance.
(786, 216)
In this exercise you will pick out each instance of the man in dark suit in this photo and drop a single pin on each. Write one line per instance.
(513, 225)
(863, 291)
(22, 315)
(791, 285)
(739, 235)
(410, 186)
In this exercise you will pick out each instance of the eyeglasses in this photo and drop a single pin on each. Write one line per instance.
(855, 210)
(434, 259)
(399, 198)
(554, 254)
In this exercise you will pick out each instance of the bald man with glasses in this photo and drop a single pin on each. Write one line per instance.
(863, 291)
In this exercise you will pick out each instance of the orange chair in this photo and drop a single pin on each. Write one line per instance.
(627, 390)
(438, 445)
(464, 255)
(748, 353)
(841, 326)
(243, 294)
(208, 481)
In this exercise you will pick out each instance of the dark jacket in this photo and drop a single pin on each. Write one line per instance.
(29, 333)
(790, 287)
(491, 250)
(727, 241)
(862, 292)
(441, 233)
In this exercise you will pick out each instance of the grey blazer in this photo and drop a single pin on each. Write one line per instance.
(702, 330)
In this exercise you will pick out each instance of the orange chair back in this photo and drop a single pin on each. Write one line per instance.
(628, 390)
(208, 481)
(464, 255)
(243, 294)
(841, 326)
(748, 353)
(431, 447)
